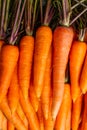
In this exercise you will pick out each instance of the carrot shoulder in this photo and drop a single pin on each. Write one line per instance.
(42, 45)
(25, 63)
(62, 115)
(77, 55)
(8, 61)
(62, 41)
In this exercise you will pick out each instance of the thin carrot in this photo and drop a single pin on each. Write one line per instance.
(25, 63)
(83, 80)
(33, 98)
(1, 118)
(4, 123)
(77, 56)
(40, 116)
(8, 61)
(30, 113)
(21, 114)
(76, 112)
(10, 126)
(42, 45)
(63, 37)
(46, 93)
(13, 92)
(60, 123)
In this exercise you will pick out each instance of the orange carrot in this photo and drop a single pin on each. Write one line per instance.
(83, 80)
(62, 40)
(77, 56)
(49, 123)
(8, 61)
(60, 123)
(12, 117)
(33, 98)
(4, 123)
(1, 118)
(21, 114)
(10, 126)
(25, 63)
(13, 92)
(42, 45)
(76, 113)
(40, 117)
(30, 113)
(46, 93)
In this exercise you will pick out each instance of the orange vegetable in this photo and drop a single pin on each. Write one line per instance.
(10, 126)
(42, 45)
(62, 40)
(77, 56)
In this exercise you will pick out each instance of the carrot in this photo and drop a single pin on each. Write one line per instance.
(60, 123)
(46, 93)
(10, 126)
(8, 61)
(84, 118)
(1, 119)
(21, 114)
(33, 98)
(4, 123)
(13, 92)
(76, 113)
(62, 40)
(29, 112)
(25, 63)
(40, 116)
(83, 80)
(42, 45)
(12, 117)
(77, 56)
(49, 123)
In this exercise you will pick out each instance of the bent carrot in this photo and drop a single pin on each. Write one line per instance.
(13, 92)
(33, 98)
(30, 113)
(83, 80)
(42, 45)
(76, 113)
(60, 123)
(25, 63)
(46, 93)
(62, 40)
(10, 126)
(8, 61)
(22, 116)
(77, 56)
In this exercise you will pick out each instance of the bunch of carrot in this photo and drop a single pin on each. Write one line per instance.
(34, 94)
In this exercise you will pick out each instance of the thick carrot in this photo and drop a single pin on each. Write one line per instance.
(33, 98)
(25, 63)
(62, 40)
(77, 56)
(42, 45)
(8, 61)
(76, 113)
(83, 80)
(30, 113)
(46, 93)
(13, 92)
(10, 126)
(12, 117)
(21, 114)
(60, 123)
(40, 116)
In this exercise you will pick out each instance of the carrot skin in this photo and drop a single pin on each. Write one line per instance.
(8, 61)
(76, 112)
(10, 126)
(42, 45)
(60, 123)
(13, 92)
(62, 41)
(46, 93)
(77, 55)
(25, 63)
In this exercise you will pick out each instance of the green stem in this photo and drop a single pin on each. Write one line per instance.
(82, 34)
(41, 11)
(6, 16)
(79, 3)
